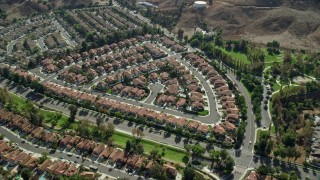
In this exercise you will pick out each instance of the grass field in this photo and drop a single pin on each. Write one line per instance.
(20, 104)
(275, 86)
(169, 153)
(236, 55)
(270, 59)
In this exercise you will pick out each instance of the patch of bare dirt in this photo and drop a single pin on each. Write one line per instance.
(296, 24)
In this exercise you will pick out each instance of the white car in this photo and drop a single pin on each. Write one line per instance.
(250, 142)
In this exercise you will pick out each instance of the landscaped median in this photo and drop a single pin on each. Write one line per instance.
(169, 153)
(131, 156)
(61, 120)
(203, 113)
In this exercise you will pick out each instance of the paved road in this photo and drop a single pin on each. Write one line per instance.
(12, 43)
(100, 78)
(64, 33)
(126, 127)
(42, 44)
(154, 90)
(244, 158)
(265, 116)
(213, 116)
(58, 154)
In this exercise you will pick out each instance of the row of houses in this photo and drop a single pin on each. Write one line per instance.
(106, 63)
(13, 156)
(222, 89)
(176, 87)
(33, 26)
(155, 52)
(105, 57)
(253, 175)
(114, 156)
(135, 111)
(174, 46)
(22, 73)
(129, 91)
(135, 73)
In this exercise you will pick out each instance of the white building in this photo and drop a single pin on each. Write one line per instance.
(199, 4)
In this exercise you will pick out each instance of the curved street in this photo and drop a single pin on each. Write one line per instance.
(244, 157)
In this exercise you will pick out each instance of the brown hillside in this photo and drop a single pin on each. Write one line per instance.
(24, 8)
(294, 23)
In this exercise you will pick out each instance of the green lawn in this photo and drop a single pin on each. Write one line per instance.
(20, 104)
(203, 113)
(109, 91)
(170, 153)
(273, 129)
(237, 55)
(270, 59)
(275, 86)
(49, 115)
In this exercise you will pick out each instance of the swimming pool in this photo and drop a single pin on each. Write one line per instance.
(43, 176)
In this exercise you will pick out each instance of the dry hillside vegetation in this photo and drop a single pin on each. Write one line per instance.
(23, 8)
(294, 23)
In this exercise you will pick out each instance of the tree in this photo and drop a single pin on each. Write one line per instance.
(265, 170)
(139, 133)
(188, 148)
(110, 3)
(155, 155)
(158, 172)
(129, 146)
(289, 139)
(195, 43)
(287, 58)
(198, 150)
(134, 147)
(83, 128)
(180, 34)
(134, 132)
(229, 163)
(109, 130)
(99, 120)
(215, 156)
(186, 38)
(26, 173)
(188, 173)
(73, 111)
(53, 123)
(3, 14)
